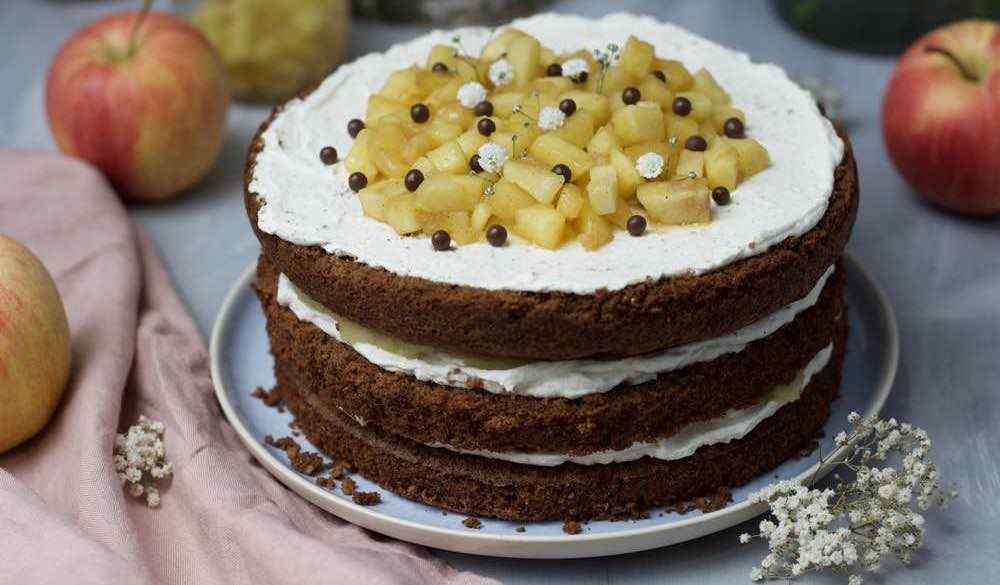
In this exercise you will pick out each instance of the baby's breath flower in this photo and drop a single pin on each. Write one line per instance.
(501, 73)
(649, 165)
(852, 526)
(140, 459)
(551, 118)
(491, 157)
(471, 94)
(575, 68)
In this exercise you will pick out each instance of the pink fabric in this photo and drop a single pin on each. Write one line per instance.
(63, 515)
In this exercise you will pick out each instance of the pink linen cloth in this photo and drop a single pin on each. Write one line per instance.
(63, 515)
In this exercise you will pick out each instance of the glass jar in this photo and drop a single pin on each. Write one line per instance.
(272, 48)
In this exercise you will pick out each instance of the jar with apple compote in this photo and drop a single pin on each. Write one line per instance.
(272, 48)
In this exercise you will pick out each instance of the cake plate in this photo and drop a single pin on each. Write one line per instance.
(241, 362)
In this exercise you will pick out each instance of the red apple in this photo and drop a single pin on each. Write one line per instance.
(34, 345)
(142, 96)
(941, 117)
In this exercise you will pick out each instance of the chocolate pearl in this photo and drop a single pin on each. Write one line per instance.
(554, 70)
(474, 164)
(496, 235)
(420, 113)
(695, 143)
(681, 106)
(413, 179)
(328, 155)
(660, 75)
(439, 67)
(486, 126)
(636, 225)
(354, 127)
(484, 108)
(357, 181)
(582, 77)
(441, 240)
(567, 106)
(631, 95)
(721, 195)
(733, 128)
(561, 169)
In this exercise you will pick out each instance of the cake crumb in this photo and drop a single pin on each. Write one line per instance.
(326, 482)
(519, 529)
(347, 486)
(306, 462)
(272, 398)
(471, 522)
(366, 498)
(340, 469)
(571, 527)
(710, 503)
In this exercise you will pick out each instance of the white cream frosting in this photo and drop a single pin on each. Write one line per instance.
(732, 426)
(308, 203)
(544, 379)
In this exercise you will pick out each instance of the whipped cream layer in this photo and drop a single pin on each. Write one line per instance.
(308, 203)
(537, 379)
(734, 425)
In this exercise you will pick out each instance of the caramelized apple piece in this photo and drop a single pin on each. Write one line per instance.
(507, 198)
(570, 201)
(541, 224)
(753, 158)
(602, 190)
(721, 165)
(638, 123)
(637, 57)
(540, 182)
(552, 150)
(679, 202)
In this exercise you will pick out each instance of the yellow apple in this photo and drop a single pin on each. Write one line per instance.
(34, 345)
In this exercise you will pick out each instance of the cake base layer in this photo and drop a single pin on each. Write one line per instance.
(335, 377)
(634, 320)
(487, 487)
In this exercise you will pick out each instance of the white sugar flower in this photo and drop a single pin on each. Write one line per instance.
(575, 68)
(491, 157)
(649, 165)
(551, 118)
(501, 73)
(471, 94)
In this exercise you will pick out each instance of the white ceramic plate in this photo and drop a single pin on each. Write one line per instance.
(241, 362)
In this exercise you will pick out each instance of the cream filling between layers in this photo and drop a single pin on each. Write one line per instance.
(536, 379)
(734, 425)
(307, 203)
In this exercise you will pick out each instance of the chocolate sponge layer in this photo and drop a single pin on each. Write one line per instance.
(336, 378)
(634, 320)
(477, 485)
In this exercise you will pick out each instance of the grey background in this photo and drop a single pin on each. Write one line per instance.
(941, 272)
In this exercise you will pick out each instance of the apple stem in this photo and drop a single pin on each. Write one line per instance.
(136, 25)
(951, 57)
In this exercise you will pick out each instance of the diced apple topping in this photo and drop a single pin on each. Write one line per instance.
(556, 148)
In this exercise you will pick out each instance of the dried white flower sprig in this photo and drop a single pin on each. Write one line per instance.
(491, 157)
(852, 526)
(501, 73)
(140, 459)
(550, 118)
(471, 94)
(649, 165)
